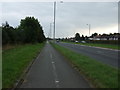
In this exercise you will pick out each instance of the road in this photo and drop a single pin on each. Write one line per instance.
(106, 56)
(51, 70)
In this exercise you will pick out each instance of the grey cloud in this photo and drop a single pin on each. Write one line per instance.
(69, 15)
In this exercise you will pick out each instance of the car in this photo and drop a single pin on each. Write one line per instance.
(76, 41)
(57, 41)
(83, 41)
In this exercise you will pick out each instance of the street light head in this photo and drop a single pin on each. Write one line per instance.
(61, 1)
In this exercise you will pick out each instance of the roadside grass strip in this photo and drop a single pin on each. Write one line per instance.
(15, 60)
(97, 73)
(109, 46)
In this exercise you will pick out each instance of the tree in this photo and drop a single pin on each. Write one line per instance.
(20, 36)
(77, 36)
(93, 35)
(82, 38)
(86, 38)
(29, 31)
(5, 38)
(8, 34)
(32, 30)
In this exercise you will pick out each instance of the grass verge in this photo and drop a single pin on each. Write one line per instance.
(100, 75)
(111, 46)
(15, 60)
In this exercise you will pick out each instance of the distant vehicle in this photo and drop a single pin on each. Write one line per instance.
(76, 41)
(57, 40)
(83, 41)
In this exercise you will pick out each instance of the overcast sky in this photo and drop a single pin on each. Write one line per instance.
(71, 17)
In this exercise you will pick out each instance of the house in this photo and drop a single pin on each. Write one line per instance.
(106, 37)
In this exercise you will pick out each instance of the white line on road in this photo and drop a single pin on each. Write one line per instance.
(101, 48)
(47, 42)
(55, 75)
(37, 56)
(53, 62)
(57, 85)
(99, 52)
(54, 71)
(51, 56)
(57, 81)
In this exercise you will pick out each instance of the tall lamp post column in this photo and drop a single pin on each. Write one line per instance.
(50, 30)
(54, 19)
(89, 30)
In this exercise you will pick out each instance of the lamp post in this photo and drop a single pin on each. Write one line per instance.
(89, 31)
(89, 28)
(50, 30)
(55, 19)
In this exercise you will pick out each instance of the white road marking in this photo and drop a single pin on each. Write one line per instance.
(37, 56)
(53, 62)
(55, 75)
(47, 42)
(51, 56)
(54, 71)
(53, 66)
(100, 48)
(99, 52)
(57, 84)
(57, 81)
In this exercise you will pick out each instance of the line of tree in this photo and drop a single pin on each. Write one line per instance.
(110, 34)
(29, 31)
(78, 38)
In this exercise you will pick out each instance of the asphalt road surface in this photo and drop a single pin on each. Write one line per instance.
(51, 70)
(105, 56)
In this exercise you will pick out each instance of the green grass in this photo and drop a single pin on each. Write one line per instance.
(100, 75)
(0, 69)
(111, 46)
(15, 61)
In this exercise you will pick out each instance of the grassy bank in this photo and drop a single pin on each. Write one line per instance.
(0, 69)
(15, 60)
(111, 46)
(102, 45)
(100, 75)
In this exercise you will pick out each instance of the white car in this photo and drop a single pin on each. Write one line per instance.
(83, 42)
(76, 41)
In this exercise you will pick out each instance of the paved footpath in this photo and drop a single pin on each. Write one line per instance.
(51, 70)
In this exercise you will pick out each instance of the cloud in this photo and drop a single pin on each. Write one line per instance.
(71, 17)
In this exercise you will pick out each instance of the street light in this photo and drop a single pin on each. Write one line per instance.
(50, 30)
(89, 28)
(55, 18)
